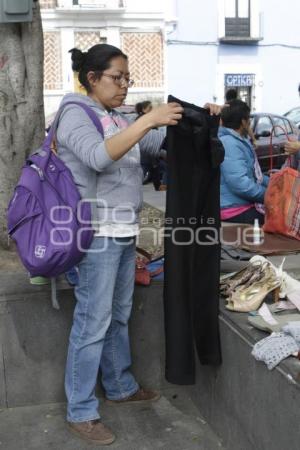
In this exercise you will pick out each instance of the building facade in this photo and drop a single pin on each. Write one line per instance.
(251, 45)
(193, 49)
(137, 27)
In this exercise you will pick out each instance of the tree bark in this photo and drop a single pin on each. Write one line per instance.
(22, 120)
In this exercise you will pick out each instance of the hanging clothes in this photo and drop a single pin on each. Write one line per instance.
(192, 250)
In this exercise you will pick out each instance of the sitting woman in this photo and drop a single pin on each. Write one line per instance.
(243, 185)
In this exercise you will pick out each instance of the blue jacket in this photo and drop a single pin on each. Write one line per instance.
(239, 185)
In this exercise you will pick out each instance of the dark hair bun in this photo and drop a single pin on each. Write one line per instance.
(78, 59)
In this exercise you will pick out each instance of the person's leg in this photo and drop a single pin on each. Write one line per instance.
(72, 276)
(117, 380)
(92, 318)
(164, 172)
(248, 217)
(156, 176)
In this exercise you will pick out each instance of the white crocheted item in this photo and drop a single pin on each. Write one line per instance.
(273, 349)
(293, 329)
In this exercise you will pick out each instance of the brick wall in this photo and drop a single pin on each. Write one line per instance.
(52, 60)
(145, 53)
(47, 4)
(86, 39)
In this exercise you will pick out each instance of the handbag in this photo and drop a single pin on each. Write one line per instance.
(282, 199)
(282, 203)
(143, 275)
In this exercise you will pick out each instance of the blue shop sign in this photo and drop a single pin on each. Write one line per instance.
(239, 79)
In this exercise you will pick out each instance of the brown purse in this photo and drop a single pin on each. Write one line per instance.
(142, 273)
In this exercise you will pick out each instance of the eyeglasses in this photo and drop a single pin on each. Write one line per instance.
(120, 79)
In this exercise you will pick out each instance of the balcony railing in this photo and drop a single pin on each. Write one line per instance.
(91, 4)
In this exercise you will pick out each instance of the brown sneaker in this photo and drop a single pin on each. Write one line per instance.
(142, 395)
(162, 187)
(93, 431)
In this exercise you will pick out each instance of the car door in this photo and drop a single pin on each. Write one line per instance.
(282, 131)
(262, 130)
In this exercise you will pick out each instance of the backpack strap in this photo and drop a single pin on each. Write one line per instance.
(54, 300)
(92, 115)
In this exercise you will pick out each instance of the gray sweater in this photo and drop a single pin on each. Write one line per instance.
(114, 188)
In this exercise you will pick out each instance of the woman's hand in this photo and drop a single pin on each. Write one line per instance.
(292, 147)
(214, 110)
(166, 114)
(121, 143)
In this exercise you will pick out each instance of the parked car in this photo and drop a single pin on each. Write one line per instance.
(263, 125)
(294, 116)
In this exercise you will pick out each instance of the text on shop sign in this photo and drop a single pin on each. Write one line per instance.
(239, 79)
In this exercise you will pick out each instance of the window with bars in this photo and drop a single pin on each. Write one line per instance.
(237, 18)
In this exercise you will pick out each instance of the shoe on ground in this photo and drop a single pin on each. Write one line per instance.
(142, 395)
(93, 431)
(162, 187)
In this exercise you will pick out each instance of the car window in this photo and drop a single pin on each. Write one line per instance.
(263, 124)
(279, 126)
(288, 126)
(294, 115)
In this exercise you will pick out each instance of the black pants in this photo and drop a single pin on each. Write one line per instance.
(192, 251)
(248, 217)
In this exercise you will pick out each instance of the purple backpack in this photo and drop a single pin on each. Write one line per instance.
(46, 219)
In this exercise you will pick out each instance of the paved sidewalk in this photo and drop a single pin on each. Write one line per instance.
(171, 423)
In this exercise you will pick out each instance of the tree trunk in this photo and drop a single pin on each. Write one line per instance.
(22, 122)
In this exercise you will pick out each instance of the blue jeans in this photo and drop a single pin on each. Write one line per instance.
(99, 335)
